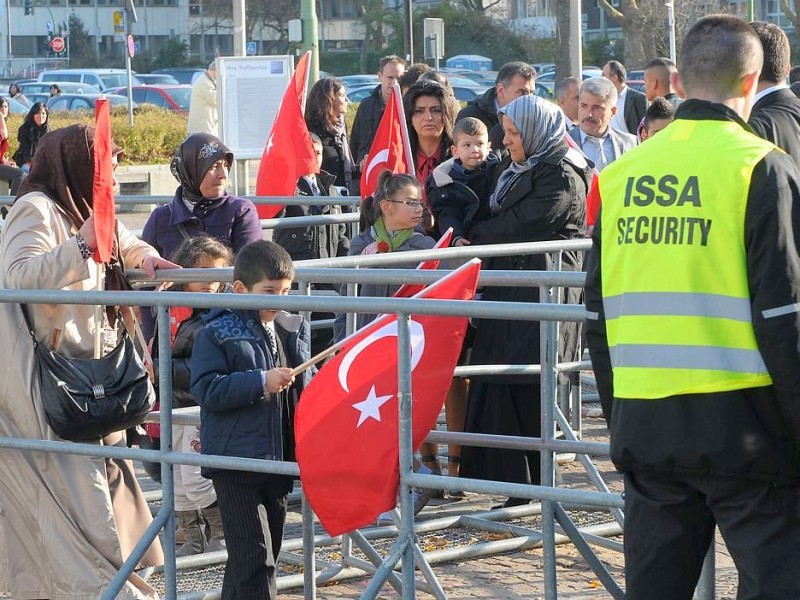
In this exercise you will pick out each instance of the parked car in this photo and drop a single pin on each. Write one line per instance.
(184, 75)
(37, 97)
(156, 79)
(358, 93)
(467, 93)
(543, 92)
(67, 87)
(351, 81)
(102, 79)
(171, 97)
(15, 106)
(635, 84)
(82, 101)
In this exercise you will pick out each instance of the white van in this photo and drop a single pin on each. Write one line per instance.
(102, 79)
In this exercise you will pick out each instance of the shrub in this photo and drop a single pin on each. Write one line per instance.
(153, 138)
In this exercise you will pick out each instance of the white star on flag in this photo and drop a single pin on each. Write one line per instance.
(371, 407)
(270, 143)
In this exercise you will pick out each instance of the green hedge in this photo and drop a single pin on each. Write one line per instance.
(153, 138)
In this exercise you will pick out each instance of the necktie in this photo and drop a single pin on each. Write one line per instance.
(314, 188)
(273, 343)
(595, 151)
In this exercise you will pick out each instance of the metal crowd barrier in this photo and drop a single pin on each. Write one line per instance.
(557, 526)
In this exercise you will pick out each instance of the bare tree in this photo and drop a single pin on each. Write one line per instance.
(793, 14)
(479, 5)
(217, 17)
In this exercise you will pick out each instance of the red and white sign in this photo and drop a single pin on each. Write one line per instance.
(57, 44)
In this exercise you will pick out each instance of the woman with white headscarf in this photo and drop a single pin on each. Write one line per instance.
(539, 197)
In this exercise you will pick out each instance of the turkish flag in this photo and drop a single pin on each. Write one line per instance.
(346, 425)
(388, 149)
(410, 289)
(289, 153)
(103, 184)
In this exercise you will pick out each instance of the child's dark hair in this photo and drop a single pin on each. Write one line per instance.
(195, 250)
(262, 260)
(388, 185)
(660, 108)
(469, 126)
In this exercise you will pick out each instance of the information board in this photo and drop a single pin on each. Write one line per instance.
(249, 94)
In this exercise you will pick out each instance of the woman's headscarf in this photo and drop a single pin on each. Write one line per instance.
(64, 172)
(192, 161)
(542, 127)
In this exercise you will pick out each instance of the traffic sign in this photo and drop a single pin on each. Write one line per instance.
(57, 44)
(50, 26)
(131, 46)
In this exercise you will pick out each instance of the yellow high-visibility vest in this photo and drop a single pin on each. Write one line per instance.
(674, 270)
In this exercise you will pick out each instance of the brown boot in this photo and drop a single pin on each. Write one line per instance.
(194, 540)
(214, 533)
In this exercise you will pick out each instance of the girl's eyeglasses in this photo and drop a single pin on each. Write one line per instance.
(412, 204)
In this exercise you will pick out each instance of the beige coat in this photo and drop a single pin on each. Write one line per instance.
(203, 116)
(66, 522)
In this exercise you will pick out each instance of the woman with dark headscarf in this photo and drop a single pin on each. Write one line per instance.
(67, 522)
(326, 107)
(201, 205)
(539, 197)
(30, 132)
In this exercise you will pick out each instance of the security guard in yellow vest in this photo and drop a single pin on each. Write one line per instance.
(693, 324)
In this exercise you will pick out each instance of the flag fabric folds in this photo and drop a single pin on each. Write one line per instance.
(388, 149)
(409, 289)
(103, 184)
(346, 424)
(289, 153)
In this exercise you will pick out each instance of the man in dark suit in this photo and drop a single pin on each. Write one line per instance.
(631, 105)
(776, 112)
(597, 105)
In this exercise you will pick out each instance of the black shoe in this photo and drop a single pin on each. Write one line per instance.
(512, 502)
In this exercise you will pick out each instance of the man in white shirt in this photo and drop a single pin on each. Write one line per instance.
(631, 105)
(600, 142)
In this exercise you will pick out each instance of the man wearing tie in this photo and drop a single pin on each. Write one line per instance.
(597, 105)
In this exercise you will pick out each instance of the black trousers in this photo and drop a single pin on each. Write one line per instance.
(253, 509)
(669, 525)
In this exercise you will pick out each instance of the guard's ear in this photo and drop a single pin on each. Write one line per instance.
(677, 83)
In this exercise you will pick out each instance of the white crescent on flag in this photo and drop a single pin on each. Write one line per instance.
(389, 330)
(379, 159)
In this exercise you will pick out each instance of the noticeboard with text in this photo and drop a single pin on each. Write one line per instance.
(249, 94)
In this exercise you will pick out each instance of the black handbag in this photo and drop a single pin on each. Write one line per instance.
(88, 398)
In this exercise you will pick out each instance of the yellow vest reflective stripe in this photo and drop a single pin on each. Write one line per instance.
(680, 199)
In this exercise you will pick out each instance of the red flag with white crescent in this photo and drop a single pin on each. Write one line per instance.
(103, 183)
(388, 149)
(346, 425)
(289, 153)
(409, 289)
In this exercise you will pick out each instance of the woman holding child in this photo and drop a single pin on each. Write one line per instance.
(326, 108)
(539, 197)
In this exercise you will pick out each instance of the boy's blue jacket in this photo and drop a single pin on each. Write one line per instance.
(229, 355)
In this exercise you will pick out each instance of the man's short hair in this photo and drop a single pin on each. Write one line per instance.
(717, 52)
(511, 69)
(565, 84)
(777, 54)
(617, 69)
(392, 58)
(661, 68)
(262, 260)
(600, 86)
(469, 126)
(412, 74)
(660, 108)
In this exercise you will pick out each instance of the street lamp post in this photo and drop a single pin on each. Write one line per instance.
(671, 23)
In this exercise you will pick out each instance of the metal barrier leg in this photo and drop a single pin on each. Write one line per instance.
(548, 348)
(309, 556)
(406, 451)
(706, 586)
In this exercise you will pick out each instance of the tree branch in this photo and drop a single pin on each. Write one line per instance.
(613, 12)
(790, 14)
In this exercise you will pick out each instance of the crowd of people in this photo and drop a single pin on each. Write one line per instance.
(692, 320)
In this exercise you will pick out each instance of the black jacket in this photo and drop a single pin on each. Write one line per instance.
(776, 117)
(326, 241)
(752, 433)
(485, 109)
(635, 108)
(458, 198)
(333, 158)
(546, 203)
(365, 124)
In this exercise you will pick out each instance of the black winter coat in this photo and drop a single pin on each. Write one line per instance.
(304, 243)
(368, 117)
(546, 203)
(333, 158)
(776, 117)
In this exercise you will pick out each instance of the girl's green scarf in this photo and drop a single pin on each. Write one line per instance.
(391, 241)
